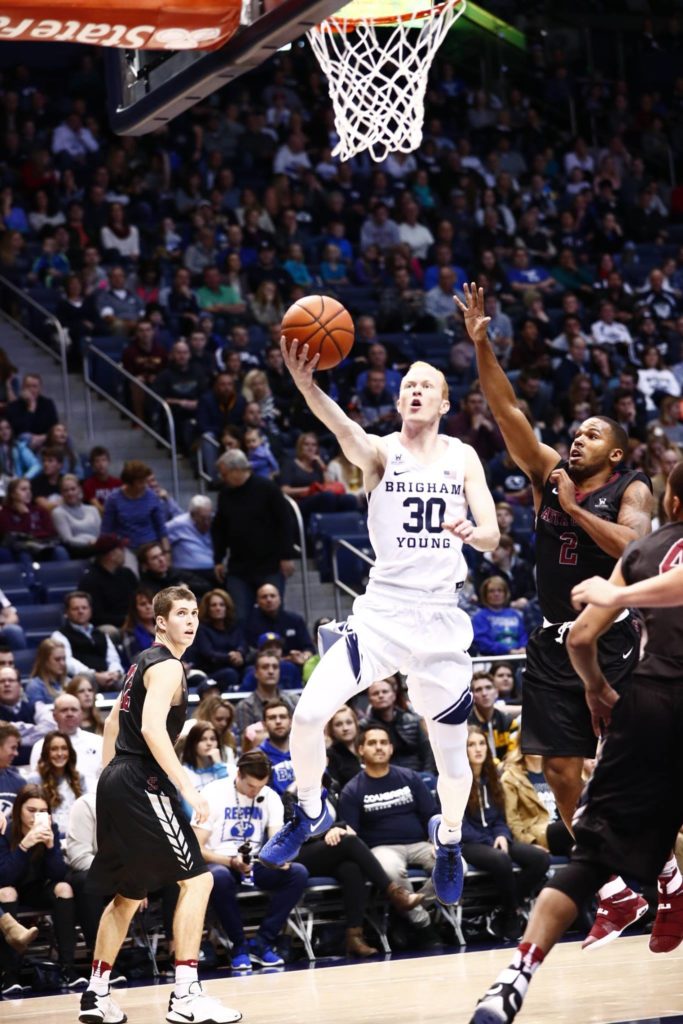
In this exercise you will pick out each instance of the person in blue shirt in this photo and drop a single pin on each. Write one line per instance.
(133, 510)
(487, 841)
(498, 629)
(11, 780)
(261, 458)
(190, 537)
(277, 719)
(268, 616)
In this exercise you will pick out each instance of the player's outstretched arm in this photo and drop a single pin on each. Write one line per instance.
(363, 450)
(111, 732)
(485, 535)
(665, 591)
(534, 458)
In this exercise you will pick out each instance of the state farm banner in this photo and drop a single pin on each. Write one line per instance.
(142, 25)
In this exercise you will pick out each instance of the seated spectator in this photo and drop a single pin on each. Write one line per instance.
(503, 677)
(261, 458)
(218, 298)
(378, 359)
(498, 628)
(58, 437)
(658, 299)
(290, 674)
(220, 645)
(523, 276)
(277, 719)
(138, 628)
(182, 302)
(12, 635)
(200, 755)
(517, 573)
(266, 306)
(45, 486)
(144, 358)
(220, 714)
(156, 571)
(269, 616)
(33, 870)
(169, 505)
(181, 384)
(109, 583)
(439, 301)
(77, 525)
(333, 269)
(374, 407)
(655, 379)
(89, 650)
(48, 674)
(487, 842)
(256, 388)
(189, 534)
(475, 426)
(119, 309)
(32, 413)
(98, 486)
(343, 762)
(57, 775)
(133, 511)
(17, 710)
(82, 688)
(16, 457)
(234, 799)
(11, 779)
(221, 407)
(406, 730)
(491, 720)
(530, 807)
(304, 478)
(267, 673)
(610, 333)
(253, 523)
(120, 240)
(77, 314)
(394, 826)
(295, 265)
(67, 716)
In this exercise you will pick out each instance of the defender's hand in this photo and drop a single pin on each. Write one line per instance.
(473, 313)
(597, 591)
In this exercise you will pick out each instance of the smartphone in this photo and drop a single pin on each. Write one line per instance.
(41, 819)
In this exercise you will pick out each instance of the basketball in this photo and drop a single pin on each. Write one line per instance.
(324, 325)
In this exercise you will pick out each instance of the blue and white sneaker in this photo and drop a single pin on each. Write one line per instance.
(239, 960)
(448, 874)
(285, 844)
(503, 1001)
(264, 955)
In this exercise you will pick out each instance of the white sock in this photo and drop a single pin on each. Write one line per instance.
(670, 879)
(446, 834)
(611, 888)
(311, 802)
(185, 975)
(99, 977)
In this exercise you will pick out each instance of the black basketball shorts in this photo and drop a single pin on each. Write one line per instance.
(556, 721)
(632, 808)
(144, 839)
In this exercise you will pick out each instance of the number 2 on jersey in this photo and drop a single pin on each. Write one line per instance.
(568, 552)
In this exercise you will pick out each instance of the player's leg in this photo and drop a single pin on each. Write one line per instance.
(555, 909)
(188, 1001)
(563, 775)
(97, 1006)
(334, 681)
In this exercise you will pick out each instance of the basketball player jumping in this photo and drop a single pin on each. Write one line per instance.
(632, 808)
(419, 485)
(144, 839)
(587, 510)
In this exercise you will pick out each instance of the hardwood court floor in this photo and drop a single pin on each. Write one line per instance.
(622, 983)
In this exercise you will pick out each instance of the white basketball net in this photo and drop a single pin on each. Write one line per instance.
(377, 76)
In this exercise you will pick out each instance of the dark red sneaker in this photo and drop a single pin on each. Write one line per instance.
(667, 931)
(614, 915)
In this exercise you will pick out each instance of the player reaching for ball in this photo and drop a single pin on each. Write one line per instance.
(419, 485)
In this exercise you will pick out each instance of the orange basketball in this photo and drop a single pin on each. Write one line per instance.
(324, 325)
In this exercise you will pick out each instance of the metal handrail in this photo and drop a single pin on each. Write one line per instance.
(61, 335)
(206, 477)
(90, 385)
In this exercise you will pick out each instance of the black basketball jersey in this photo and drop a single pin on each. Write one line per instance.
(130, 739)
(565, 554)
(651, 556)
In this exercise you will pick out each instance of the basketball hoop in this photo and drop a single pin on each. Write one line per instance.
(376, 55)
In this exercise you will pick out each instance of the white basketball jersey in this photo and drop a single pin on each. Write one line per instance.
(405, 513)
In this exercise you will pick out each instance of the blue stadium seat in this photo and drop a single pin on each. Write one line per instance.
(523, 523)
(40, 620)
(352, 569)
(58, 578)
(323, 527)
(15, 584)
(23, 661)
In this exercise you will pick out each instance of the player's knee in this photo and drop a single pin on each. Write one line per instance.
(562, 771)
(63, 891)
(8, 894)
(308, 716)
(198, 883)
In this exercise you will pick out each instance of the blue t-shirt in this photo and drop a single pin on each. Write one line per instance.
(282, 775)
(392, 810)
(11, 781)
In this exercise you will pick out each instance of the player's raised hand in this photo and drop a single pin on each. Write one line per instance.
(473, 311)
(597, 591)
(461, 528)
(297, 362)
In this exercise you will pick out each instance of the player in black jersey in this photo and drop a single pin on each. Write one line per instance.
(587, 510)
(632, 808)
(144, 839)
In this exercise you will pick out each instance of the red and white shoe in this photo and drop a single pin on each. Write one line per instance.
(615, 913)
(667, 931)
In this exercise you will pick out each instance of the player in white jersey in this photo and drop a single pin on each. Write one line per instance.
(419, 485)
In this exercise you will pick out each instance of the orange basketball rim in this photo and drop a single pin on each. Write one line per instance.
(134, 24)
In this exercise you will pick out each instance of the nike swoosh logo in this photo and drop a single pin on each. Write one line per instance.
(185, 1016)
(629, 651)
(400, 472)
(554, 490)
